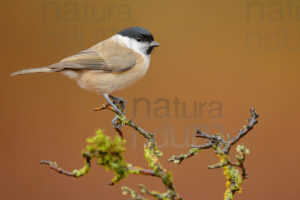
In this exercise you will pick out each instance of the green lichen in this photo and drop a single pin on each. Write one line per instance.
(234, 180)
(83, 171)
(109, 153)
(233, 176)
(133, 194)
(242, 151)
(151, 155)
(178, 159)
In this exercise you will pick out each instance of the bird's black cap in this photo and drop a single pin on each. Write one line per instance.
(138, 33)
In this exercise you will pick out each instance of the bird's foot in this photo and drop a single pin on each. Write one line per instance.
(118, 106)
(118, 121)
(119, 102)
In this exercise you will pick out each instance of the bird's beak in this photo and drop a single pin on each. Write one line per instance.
(154, 44)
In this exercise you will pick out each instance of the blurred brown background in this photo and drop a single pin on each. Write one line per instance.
(226, 55)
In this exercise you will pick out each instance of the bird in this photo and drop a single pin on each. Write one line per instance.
(110, 65)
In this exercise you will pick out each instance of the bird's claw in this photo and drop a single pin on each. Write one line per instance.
(119, 102)
(118, 121)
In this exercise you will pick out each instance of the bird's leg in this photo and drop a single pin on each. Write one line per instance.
(118, 104)
(117, 123)
(119, 101)
(106, 96)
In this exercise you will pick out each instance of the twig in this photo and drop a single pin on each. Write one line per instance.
(180, 158)
(222, 148)
(243, 131)
(134, 195)
(209, 144)
(54, 166)
(147, 172)
(59, 170)
(120, 132)
(156, 166)
(104, 107)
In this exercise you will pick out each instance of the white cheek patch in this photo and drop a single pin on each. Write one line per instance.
(140, 47)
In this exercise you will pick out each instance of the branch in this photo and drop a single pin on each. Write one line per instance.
(209, 144)
(180, 158)
(222, 148)
(59, 170)
(151, 151)
(54, 166)
(147, 172)
(134, 195)
(252, 121)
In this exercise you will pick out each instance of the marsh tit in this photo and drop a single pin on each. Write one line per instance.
(108, 66)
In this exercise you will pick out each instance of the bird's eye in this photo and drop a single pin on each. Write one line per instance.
(139, 39)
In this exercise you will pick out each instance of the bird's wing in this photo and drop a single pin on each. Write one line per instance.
(99, 58)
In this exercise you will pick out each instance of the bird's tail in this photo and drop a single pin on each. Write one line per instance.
(32, 70)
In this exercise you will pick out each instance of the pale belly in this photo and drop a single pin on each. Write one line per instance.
(102, 82)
